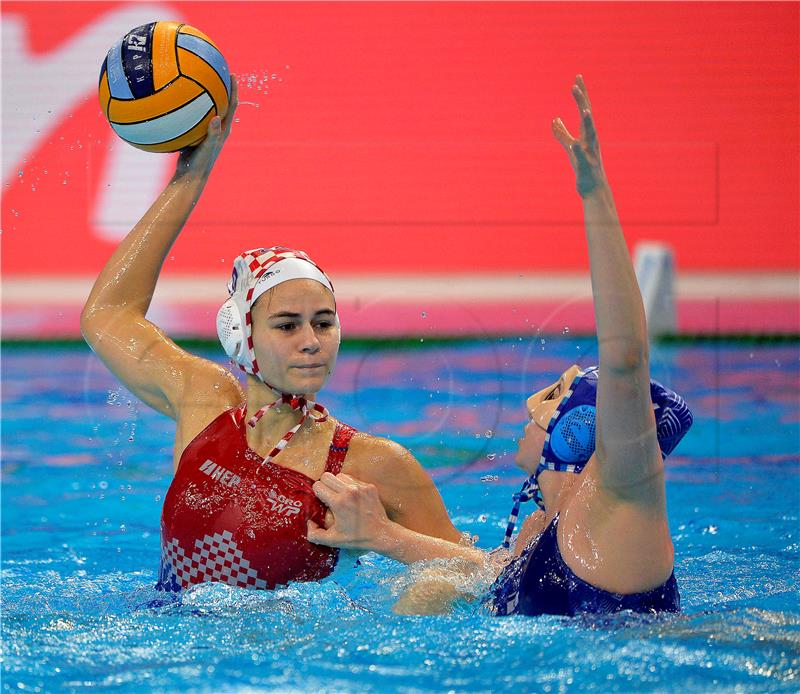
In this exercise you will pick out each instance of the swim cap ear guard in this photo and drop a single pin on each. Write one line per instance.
(229, 329)
(570, 438)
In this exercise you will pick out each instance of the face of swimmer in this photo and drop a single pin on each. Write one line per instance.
(295, 337)
(541, 407)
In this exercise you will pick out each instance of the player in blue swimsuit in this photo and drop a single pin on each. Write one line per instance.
(594, 447)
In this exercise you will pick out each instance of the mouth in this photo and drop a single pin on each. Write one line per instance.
(309, 367)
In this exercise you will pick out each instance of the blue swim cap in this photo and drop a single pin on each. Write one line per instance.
(570, 438)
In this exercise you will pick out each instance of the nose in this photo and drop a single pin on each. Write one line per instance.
(309, 343)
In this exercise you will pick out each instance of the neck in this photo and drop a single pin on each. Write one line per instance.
(553, 486)
(279, 419)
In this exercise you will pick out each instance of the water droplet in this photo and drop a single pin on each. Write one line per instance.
(422, 339)
(489, 478)
(20, 172)
(103, 485)
(491, 456)
(565, 331)
(489, 433)
(424, 314)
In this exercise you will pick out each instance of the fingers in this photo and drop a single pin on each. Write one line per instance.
(319, 536)
(581, 95)
(579, 81)
(341, 481)
(341, 491)
(234, 92)
(588, 132)
(329, 486)
(352, 481)
(562, 134)
(333, 481)
(324, 492)
(221, 127)
(233, 103)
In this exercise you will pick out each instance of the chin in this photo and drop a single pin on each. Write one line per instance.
(308, 385)
(524, 464)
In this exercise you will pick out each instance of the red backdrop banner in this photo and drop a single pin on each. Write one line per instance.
(407, 137)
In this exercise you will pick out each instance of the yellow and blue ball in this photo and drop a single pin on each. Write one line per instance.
(161, 84)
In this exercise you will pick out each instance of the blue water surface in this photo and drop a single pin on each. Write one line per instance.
(85, 469)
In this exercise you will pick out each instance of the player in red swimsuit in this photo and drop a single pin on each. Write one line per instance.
(244, 457)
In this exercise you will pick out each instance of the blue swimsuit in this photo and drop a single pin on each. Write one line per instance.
(539, 582)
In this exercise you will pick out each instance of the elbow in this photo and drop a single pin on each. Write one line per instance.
(87, 323)
(94, 322)
(626, 357)
(94, 319)
(426, 598)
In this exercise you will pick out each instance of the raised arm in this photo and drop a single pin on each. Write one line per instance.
(629, 463)
(113, 320)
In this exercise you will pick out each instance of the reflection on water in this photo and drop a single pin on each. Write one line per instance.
(85, 468)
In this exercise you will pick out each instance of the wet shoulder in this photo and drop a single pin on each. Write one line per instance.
(210, 392)
(373, 458)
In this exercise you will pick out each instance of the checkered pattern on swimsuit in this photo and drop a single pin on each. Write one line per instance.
(217, 559)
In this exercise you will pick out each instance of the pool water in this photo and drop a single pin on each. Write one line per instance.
(85, 469)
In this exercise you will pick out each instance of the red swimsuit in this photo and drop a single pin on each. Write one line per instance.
(228, 516)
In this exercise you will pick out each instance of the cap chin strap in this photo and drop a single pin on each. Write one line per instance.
(529, 489)
(298, 403)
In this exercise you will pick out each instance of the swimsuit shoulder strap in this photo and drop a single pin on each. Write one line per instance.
(338, 449)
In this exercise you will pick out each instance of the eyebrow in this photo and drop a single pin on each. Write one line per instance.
(289, 314)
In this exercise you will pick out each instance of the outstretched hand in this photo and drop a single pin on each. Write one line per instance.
(358, 520)
(199, 160)
(583, 152)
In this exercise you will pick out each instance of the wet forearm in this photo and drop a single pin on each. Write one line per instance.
(129, 277)
(619, 312)
(408, 546)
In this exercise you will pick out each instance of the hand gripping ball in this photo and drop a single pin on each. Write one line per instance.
(161, 84)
